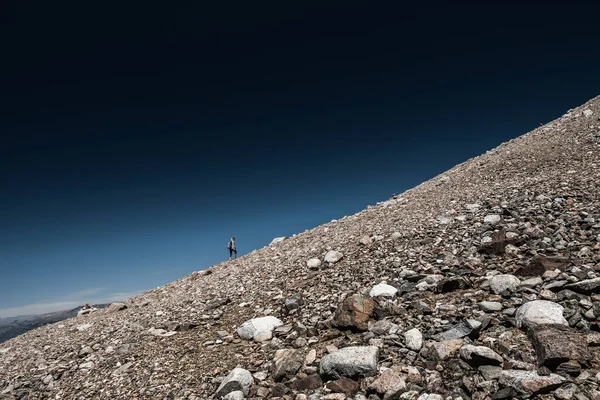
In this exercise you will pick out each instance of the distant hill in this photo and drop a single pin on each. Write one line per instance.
(14, 326)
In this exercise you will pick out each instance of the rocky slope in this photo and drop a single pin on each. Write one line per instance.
(483, 283)
(13, 327)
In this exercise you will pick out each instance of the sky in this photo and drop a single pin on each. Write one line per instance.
(136, 140)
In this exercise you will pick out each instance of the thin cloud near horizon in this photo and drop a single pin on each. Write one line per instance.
(68, 301)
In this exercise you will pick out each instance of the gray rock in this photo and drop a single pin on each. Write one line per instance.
(490, 372)
(492, 219)
(428, 396)
(350, 362)
(490, 306)
(456, 332)
(313, 263)
(480, 355)
(532, 282)
(237, 395)
(333, 256)
(440, 351)
(258, 327)
(413, 339)
(529, 382)
(382, 327)
(114, 307)
(383, 289)
(501, 283)
(587, 286)
(539, 312)
(238, 379)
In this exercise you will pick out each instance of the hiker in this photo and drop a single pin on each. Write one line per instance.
(232, 249)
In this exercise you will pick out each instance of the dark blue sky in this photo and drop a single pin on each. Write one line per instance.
(137, 139)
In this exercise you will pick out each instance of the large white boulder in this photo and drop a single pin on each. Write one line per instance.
(238, 380)
(383, 289)
(350, 362)
(539, 312)
(259, 328)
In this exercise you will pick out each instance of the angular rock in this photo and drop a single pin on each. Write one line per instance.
(382, 327)
(529, 382)
(287, 363)
(539, 312)
(344, 385)
(587, 286)
(389, 384)
(480, 355)
(311, 382)
(350, 362)
(502, 283)
(490, 372)
(383, 289)
(458, 331)
(258, 327)
(354, 313)
(540, 264)
(238, 379)
(556, 344)
(440, 351)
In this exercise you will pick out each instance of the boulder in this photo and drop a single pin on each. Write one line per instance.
(556, 344)
(539, 312)
(333, 256)
(490, 306)
(492, 219)
(413, 339)
(529, 382)
(258, 327)
(114, 307)
(383, 289)
(441, 351)
(238, 379)
(501, 283)
(350, 362)
(313, 263)
(354, 313)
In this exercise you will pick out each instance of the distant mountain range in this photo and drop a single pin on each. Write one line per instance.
(14, 326)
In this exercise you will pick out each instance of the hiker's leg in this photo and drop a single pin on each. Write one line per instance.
(235, 251)
(230, 253)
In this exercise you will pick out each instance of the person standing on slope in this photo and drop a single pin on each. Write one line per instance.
(232, 249)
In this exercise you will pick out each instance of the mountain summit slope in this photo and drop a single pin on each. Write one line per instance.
(483, 282)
